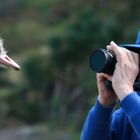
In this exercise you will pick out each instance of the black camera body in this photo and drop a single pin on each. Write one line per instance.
(104, 61)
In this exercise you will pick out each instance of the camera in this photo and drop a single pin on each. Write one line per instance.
(102, 60)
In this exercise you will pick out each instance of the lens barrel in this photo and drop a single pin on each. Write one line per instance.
(102, 60)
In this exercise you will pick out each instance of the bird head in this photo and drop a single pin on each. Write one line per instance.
(5, 60)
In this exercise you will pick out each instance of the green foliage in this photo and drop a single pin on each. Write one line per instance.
(53, 41)
(35, 69)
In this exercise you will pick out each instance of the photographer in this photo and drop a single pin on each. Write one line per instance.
(103, 123)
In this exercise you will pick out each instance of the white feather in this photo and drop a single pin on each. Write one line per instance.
(2, 50)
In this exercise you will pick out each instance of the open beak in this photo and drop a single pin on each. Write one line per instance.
(8, 62)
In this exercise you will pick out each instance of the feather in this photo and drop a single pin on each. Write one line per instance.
(2, 50)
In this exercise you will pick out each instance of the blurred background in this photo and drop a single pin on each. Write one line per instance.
(52, 40)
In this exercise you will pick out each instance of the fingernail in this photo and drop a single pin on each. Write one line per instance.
(113, 43)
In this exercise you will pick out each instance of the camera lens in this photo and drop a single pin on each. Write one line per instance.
(102, 60)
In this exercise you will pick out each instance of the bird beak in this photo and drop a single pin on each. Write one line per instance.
(8, 62)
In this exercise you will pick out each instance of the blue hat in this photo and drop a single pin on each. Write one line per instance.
(138, 38)
(134, 47)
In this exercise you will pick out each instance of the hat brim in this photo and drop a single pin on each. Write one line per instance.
(131, 47)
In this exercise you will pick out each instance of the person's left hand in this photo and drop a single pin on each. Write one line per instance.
(126, 70)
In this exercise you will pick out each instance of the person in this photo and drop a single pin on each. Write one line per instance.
(103, 121)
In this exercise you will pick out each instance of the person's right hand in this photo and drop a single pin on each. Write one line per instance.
(106, 96)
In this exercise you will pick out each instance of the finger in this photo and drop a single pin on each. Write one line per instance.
(114, 47)
(104, 76)
(108, 47)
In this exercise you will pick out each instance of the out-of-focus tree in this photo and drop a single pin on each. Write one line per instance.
(53, 40)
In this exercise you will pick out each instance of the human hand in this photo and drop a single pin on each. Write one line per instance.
(126, 70)
(106, 96)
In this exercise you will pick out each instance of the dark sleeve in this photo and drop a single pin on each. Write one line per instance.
(98, 123)
(131, 105)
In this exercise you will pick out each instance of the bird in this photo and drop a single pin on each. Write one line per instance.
(5, 60)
